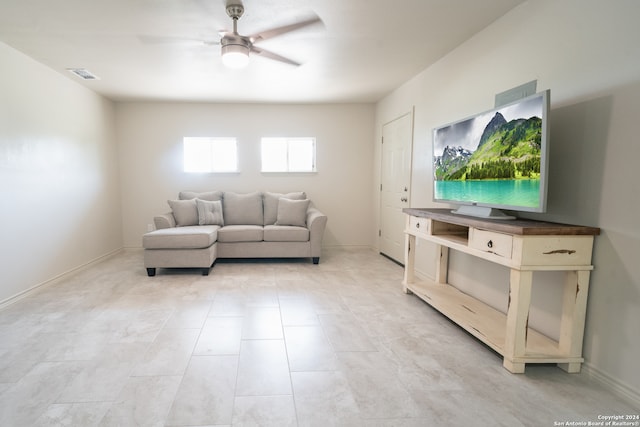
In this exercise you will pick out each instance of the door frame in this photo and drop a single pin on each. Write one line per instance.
(411, 114)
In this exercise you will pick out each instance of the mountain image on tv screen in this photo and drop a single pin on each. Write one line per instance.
(499, 151)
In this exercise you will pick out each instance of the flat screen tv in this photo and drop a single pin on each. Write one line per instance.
(495, 160)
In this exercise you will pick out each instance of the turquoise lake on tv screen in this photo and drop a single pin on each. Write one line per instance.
(507, 192)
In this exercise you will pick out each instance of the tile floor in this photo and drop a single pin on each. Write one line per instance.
(273, 343)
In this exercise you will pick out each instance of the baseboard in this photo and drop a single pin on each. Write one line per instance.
(617, 387)
(32, 290)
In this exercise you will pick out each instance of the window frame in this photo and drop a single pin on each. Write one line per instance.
(212, 141)
(289, 141)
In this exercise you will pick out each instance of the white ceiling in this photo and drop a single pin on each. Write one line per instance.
(361, 51)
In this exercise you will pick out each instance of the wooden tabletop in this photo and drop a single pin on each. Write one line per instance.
(527, 227)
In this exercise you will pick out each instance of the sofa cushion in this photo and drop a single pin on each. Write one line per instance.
(270, 202)
(292, 212)
(209, 213)
(211, 196)
(185, 212)
(240, 233)
(189, 237)
(242, 209)
(285, 233)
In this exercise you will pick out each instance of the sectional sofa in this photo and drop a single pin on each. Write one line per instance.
(202, 227)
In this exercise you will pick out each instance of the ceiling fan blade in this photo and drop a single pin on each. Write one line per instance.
(268, 34)
(146, 39)
(274, 56)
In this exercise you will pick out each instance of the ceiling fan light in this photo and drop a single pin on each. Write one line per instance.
(235, 56)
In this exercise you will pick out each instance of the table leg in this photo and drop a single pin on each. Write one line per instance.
(409, 262)
(442, 264)
(574, 308)
(517, 319)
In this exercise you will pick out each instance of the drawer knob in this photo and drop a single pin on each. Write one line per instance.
(418, 225)
(490, 244)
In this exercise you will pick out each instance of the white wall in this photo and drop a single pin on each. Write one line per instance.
(587, 53)
(150, 137)
(58, 175)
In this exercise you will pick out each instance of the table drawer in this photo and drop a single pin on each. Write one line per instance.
(419, 225)
(491, 242)
(556, 250)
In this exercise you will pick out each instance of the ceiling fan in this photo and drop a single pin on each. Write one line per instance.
(235, 47)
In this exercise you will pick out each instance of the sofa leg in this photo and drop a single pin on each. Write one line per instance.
(205, 271)
(316, 259)
(151, 272)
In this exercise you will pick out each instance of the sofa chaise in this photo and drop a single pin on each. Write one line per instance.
(202, 227)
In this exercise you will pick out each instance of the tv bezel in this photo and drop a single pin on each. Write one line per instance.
(493, 210)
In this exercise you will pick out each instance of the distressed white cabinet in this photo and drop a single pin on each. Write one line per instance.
(523, 246)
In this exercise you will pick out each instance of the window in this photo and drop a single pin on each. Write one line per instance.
(202, 155)
(288, 155)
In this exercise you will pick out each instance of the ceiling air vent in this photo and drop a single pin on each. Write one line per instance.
(83, 73)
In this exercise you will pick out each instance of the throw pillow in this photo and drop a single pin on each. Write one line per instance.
(209, 195)
(209, 213)
(184, 211)
(270, 201)
(242, 209)
(292, 212)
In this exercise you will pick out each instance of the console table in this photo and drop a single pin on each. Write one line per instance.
(523, 246)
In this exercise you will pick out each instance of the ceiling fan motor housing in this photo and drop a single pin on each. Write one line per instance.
(235, 40)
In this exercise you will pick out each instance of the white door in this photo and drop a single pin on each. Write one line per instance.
(395, 186)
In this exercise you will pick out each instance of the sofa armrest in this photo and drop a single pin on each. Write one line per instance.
(164, 221)
(316, 223)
